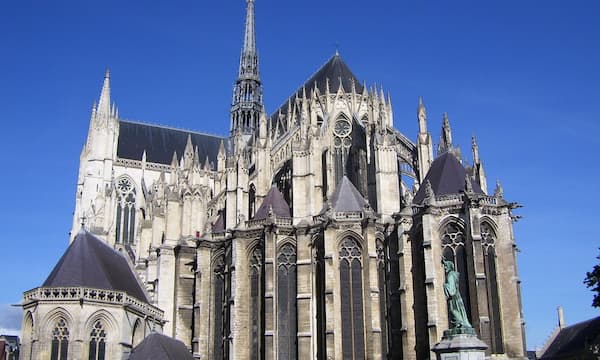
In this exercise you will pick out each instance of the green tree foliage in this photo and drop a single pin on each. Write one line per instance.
(592, 281)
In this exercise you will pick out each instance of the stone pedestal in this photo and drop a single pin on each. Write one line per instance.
(460, 344)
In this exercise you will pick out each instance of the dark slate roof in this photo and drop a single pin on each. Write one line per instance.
(572, 341)
(336, 70)
(160, 347)
(347, 198)
(274, 200)
(160, 143)
(447, 176)
(90, 262)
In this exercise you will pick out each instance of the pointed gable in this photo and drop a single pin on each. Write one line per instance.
(90, 262)
(160, 347)
(275, 201)
(336, 72)
(447, 176)
(347, 198)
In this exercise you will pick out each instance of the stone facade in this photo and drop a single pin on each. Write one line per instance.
(316, 232)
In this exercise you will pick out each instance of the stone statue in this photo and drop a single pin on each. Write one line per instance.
(456, 307)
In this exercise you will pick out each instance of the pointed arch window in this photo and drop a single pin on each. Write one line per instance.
(286, 302)
(97, 342)
(256, 291)
(251, 201)
(488, 242)
(353, 344)
(383, 293)
(342, 141)
(59, 347)
(125, 221)
(453, 249)
(219, 306)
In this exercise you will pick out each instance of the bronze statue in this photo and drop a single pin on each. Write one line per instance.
(456, 307)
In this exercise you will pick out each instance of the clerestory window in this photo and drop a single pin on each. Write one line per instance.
(125, 220)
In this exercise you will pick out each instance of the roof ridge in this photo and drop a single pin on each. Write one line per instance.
(304, 82)
(138, 122)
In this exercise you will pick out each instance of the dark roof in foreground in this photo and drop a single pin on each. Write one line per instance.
(336, 70)
(161, 142)
(274, 200)
(90, 262)
(574, 341)
(160, 347)
(447, 176)
(347, 198)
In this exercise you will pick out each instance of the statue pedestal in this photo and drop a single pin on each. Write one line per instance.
(460, 344)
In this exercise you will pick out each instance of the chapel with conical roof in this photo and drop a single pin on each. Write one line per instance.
(315, 231)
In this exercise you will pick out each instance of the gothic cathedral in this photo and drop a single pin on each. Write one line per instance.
(316, 232)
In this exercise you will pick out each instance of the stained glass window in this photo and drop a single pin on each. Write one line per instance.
(353, 344)
(59, 347)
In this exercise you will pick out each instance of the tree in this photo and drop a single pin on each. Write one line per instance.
(592, 280)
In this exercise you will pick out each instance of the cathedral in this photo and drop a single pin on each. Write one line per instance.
(315, 231)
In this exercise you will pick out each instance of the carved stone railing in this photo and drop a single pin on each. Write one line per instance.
(137, 164)
(92, 294)
(274, 221)
(348, 215)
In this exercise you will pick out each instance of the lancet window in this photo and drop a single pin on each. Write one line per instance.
(488, 242)
(219, 308)
(453, 249)
(59, 347)
(383, 293)
(353, 344)
(125, 221)
(251, 201)
(256, 291)
(286, 302)
(342, 141)
(97, 342)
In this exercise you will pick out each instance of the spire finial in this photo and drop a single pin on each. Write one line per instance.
(446, 136)
(475, 149)
(247, 93)
(104, 102)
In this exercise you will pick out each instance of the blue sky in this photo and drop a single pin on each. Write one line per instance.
(521, 75)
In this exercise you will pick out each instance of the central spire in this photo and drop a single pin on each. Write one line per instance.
(249, 58)
(247, 102)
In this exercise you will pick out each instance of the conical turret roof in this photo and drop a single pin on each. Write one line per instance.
(347, 198)
(447, 176)
(274, 201)
(90, 262)
(160, 347)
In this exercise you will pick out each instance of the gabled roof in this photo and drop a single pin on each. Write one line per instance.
(161, 142)
(336, 70)
(90, 262)
(274, 200)
(347, 198)
(447, 176)
(160, 347)
(573, 341)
